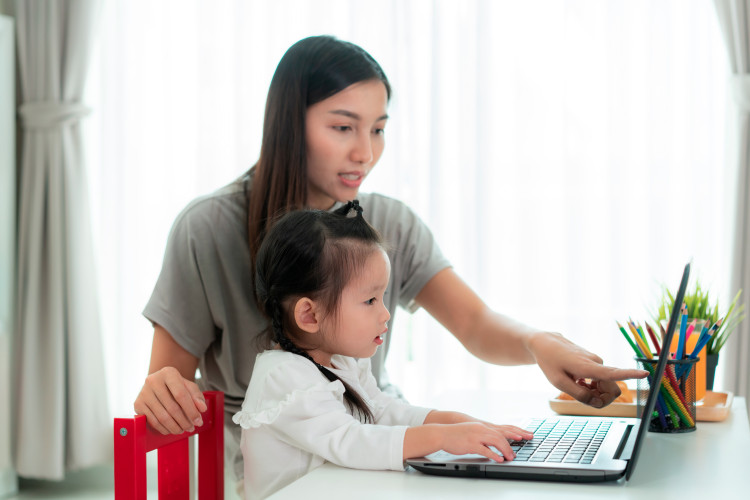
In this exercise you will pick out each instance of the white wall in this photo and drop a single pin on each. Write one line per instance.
(8, 483)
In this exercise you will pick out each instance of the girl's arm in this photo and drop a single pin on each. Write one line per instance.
(498, 339)
(170, 399)
(448, 417)
(463, 438)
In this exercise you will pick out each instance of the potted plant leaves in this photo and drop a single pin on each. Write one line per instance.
(705, 310)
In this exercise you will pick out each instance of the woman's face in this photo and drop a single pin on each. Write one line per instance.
(344, 135)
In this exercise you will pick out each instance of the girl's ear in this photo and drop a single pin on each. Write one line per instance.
(306, 315)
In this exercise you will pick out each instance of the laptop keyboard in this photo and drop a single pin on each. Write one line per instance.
(561, 441)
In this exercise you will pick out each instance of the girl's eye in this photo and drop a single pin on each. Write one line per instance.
(342, 128)
(379, 131)
(371, 301)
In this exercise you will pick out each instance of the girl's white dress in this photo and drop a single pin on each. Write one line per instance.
(293, 420)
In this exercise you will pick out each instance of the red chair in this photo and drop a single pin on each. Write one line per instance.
(134, 438)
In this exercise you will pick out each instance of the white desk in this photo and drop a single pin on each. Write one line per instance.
(711, 463)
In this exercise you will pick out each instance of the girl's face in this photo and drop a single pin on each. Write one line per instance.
(344, 137)
(362, 318)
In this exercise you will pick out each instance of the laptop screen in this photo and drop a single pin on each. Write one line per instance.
(659, 372)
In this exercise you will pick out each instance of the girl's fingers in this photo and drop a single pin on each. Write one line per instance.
(503, 446)
(519, 431)
(513, 432)
(487, 452)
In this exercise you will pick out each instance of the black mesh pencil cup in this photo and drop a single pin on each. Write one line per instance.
(675, 406)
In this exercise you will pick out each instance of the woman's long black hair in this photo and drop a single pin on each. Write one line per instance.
(314, 254)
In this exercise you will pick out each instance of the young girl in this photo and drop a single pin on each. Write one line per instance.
(320, 279)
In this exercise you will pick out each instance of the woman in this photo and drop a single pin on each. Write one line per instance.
(323, 133)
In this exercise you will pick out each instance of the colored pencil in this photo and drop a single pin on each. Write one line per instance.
(671, 409)
(627, 337)
(662, 410)
(683, 329)
(690, 329)
(702, 341)
(653, 338)
(639, 329)
(662, 330)
(633, 329)
(675, 385)
(644, 347)
(704, 330)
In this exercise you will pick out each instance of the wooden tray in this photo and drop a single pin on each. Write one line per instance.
(714, 407)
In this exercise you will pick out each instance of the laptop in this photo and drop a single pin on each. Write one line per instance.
(608, 449)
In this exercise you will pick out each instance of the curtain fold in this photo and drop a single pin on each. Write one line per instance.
(62, 418)
(734, 22)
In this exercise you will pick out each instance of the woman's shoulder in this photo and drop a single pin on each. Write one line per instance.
(381, 201)
(385, 212)
(220, 214)
(227, 200)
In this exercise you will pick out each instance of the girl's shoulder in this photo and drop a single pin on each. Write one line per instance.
(276, 363)
(282, 381)
(277, 368)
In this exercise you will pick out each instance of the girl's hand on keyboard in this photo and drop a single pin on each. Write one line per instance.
(477, 437)
(461, 434)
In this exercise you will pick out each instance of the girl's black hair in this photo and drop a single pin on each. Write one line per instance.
(310, 71)
(314, 254)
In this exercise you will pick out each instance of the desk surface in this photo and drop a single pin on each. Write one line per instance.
(711, 462)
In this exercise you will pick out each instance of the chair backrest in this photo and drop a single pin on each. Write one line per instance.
(134, 438)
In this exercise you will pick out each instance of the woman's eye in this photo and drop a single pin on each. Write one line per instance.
(379, 131)
(342, 128)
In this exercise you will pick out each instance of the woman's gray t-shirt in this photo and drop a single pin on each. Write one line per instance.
(204, 297)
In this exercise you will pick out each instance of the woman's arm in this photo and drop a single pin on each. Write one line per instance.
(498, 339)
(170, 398)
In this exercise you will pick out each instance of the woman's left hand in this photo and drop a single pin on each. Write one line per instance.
(578, 372)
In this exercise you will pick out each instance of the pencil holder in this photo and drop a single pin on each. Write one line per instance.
(675, 406)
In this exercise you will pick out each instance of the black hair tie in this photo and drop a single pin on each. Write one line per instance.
(354, 205)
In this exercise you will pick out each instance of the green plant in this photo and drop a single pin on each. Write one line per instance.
(700, 308)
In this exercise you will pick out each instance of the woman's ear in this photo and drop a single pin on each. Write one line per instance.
(306, 315)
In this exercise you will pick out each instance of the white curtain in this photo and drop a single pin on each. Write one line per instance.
(61, 412)
(734, 18)
(566, 154)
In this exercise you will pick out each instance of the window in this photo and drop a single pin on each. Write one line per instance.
(568, 155)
